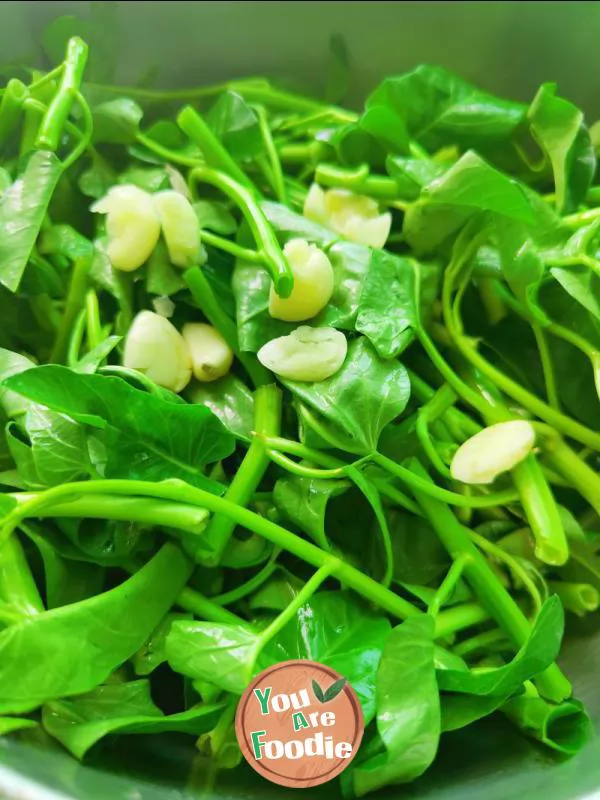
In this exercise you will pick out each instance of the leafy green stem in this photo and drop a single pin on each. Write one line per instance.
(416, 482)
(74, 305)
(213, 151)
(51, 128)
(234, 249)
(357, 179)
(246, 588)
(272, 155)
(551, 545)
(11, 107)
(184, 493)
(262, 231)
(547, 368)
(492, 595)
(267, 421)
(303, 596)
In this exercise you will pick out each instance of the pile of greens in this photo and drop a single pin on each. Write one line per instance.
(157, 550)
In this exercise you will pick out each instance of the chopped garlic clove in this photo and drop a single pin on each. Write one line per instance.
(354, 216)
(156, 348)
(132, 226)
(179, 226)
(494, 450)
(307, 354)
(313, 283)
(211, 355)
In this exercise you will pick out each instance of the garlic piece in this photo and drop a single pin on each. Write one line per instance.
(211, 355)
(179, 226)
(155, 347)
(313, 283)
(307, 354)
(132, 225)
(496, 449)
(354, 216)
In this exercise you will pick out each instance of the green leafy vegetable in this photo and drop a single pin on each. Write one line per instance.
(118, 708)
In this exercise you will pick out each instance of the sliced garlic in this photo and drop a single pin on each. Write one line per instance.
(494, 450)
(132, 225)
(156, 348)
(179, 226)
(353, 216)
(313, 283)
(307, 354)
(211, 355)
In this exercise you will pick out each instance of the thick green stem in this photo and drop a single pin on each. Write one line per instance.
(267, 421)
(159, 513)
(246, 588)
(429, 487)
(580, 598)
(206, 301)
(236, 250)
(357, 180)
(275, 163)
(17, 587)
(184, 493)
(260, 227)
(458, 618)
(51, 129)
(551, 545)
(490, 592)
(74, 305)
(11, 108)
(213, 151)
(567, 463)
(303, 596)
(196, 603)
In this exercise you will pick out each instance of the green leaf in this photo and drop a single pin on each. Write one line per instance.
(277, 593)
(161, 276)
(439, 108)
(419, 557)
(397, 293)
(26, 200)
(97, 179)
(236, 125)
(460, 710)
(65, 581)
(118, 708)
(327, 629)
(333, 691)
(289, 225)
(468, 187)
(557, 125)
(360, 399)
(222, 654)
(318, 692)
(11, 363)
(230, 400)
(103, 631)
(22, 455)
(146, 436)
(93, 359)
(150, 179)
(117, 121)
(12, 724)
(540, 650)
(304, 502)
(215, 216)
(413, 174)
(408, 709)
(153, 652)
(59, 446)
